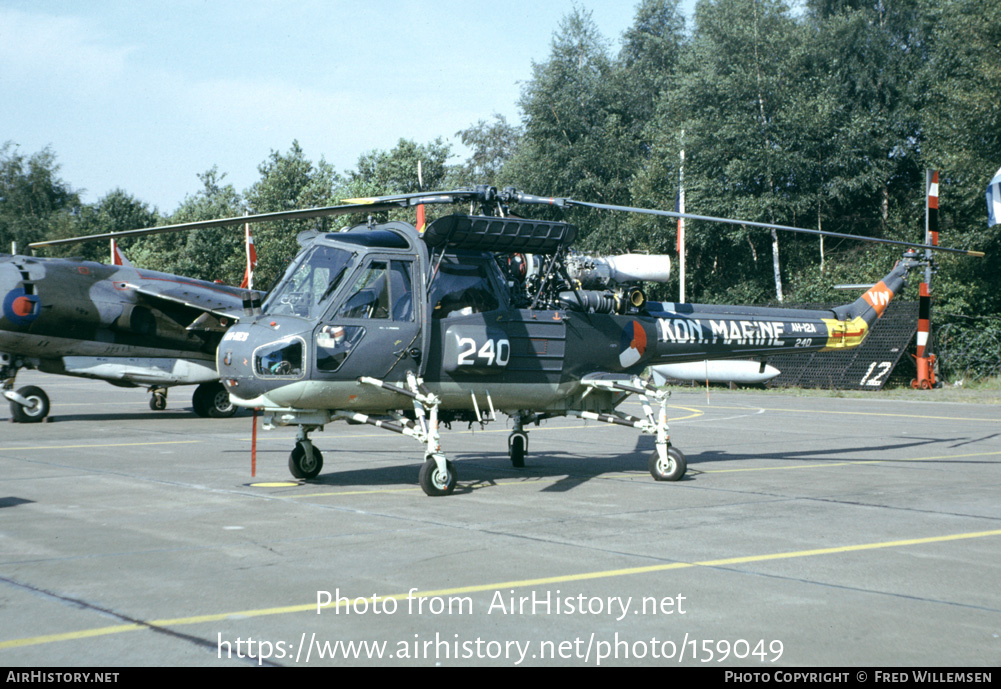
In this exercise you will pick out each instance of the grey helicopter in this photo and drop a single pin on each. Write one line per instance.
(488, 312)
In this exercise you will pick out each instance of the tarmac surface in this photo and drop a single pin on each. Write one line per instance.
(809, 531)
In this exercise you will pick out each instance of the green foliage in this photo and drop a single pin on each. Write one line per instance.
(35, 203)
(212, 254)
(492, 144)
(961, 130)
(969, 348)
(577, 141)
(288, 181)
(380, 173)
(117, 211)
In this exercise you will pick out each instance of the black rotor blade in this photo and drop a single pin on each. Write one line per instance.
(563, 202)
(360, 205)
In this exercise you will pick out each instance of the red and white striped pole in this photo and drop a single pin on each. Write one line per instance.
(926, 362)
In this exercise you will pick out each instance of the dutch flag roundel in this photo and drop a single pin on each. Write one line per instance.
(632, 344)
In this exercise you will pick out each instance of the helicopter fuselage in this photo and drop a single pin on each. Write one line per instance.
(370, 304)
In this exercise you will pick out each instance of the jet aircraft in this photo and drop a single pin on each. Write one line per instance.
(128, 326)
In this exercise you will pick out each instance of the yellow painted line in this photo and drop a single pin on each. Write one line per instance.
(849, 463)
(858, 413)
(520, 583)
(75, 447)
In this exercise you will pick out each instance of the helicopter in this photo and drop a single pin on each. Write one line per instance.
(128, 326)
(487, 312)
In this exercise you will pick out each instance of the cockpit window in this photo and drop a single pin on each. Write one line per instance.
(382, 289)
(462, 288)
(309, 282)
(370, 294)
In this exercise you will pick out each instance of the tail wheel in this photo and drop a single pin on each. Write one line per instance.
(38, 405)
(671, 469)
(302, 465)
(434, 482)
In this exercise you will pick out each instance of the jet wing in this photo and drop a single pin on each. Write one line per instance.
(196, 304)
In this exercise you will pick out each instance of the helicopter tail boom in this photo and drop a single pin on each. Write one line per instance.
(694, 332)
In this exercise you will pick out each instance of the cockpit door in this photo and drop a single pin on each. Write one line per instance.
(375, 328)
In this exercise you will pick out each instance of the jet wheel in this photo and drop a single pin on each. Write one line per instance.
(301, 465)
(671, 470)
(212, 399)
(517, 446)
(434, 482)
(38, 409)
(158, 402)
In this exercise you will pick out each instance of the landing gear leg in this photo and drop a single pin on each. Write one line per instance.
(305, 461)
(29, 404)
(517, 443)
(437, 475)
(666, 463)
(158, 398)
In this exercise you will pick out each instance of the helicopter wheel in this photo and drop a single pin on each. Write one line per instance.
(158, 401)
(300, 464)
(433, 482)
(671, 470)
(38, 410)
(517, 446)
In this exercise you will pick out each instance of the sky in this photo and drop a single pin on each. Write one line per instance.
(144, 96)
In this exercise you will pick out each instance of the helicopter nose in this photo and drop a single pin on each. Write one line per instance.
(234, 361)
(258, 357)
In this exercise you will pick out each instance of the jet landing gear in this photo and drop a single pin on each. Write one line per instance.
(29, 404)
(212, 399)
(158, 398)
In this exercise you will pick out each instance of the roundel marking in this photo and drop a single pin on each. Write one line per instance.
(632, 344)
(19, 307)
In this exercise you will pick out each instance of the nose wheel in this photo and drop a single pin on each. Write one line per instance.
(305, 461)
(437, 477)
(158, 400)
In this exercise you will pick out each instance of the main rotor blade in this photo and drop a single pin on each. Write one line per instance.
(306, 214)
(562, 202)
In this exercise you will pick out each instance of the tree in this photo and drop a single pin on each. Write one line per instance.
(731, 101)
(288, 181)
(379, 173)
(493, 144)
(212, 254)
(961, 137)
(35, 203)
(117, 211)
(576, 140)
